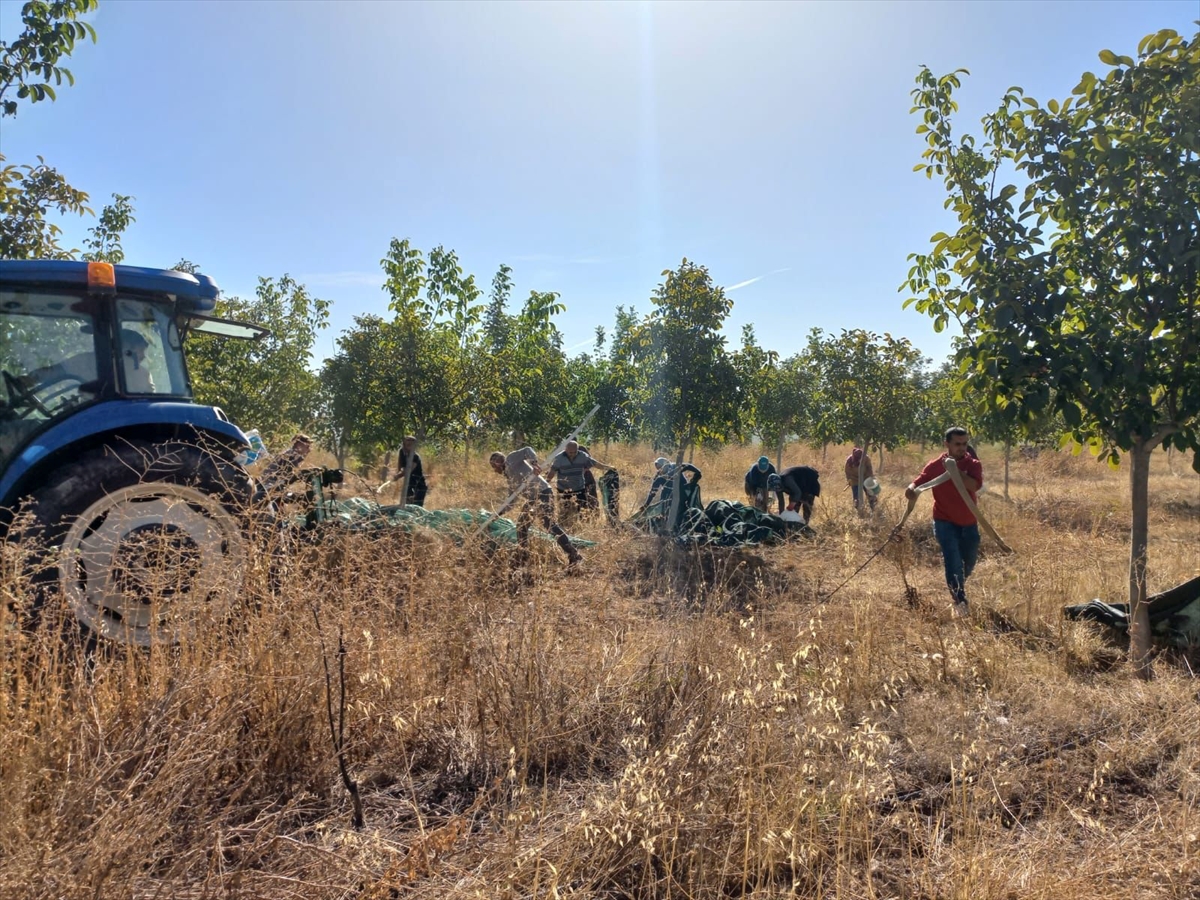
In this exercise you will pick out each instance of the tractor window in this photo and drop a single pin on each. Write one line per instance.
(47, 362)
(151, 357)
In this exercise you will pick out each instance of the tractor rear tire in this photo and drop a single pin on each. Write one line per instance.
(145, 540)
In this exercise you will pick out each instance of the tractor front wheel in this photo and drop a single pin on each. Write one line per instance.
(147, 540)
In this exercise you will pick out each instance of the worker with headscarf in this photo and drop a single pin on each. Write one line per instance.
(756, 483)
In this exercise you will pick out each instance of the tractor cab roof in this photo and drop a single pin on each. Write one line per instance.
(192, 293)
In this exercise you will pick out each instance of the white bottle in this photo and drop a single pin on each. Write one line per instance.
(258, 450)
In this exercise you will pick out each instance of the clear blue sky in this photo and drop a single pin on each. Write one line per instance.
(587, 145)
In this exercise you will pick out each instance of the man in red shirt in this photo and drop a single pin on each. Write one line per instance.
(954, 525)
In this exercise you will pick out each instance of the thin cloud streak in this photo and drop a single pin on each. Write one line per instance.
(580, 345)
(749, 281)
(742, 284)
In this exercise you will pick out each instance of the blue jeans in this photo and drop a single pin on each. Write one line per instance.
(960, 549)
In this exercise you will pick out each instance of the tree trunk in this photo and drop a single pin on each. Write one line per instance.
(1139, 612)
(1007, 457)
(676, 492)
(779, 454)
(677, 487)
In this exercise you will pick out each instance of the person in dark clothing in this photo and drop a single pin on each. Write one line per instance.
(417, 487)
(663, 484)
(802, 484)
(610, 482)
(756, 483)
(283, 470)
(659, 501)
(659, 465)
(774, 486)
(590, 486)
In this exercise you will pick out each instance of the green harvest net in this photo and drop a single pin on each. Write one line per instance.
(359, 514)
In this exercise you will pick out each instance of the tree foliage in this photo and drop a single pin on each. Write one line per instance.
(940, 404)
(693, 391)
(790, 406)
(449, 365)
(28, 194)
(104, 245)
(757, 370)
(1098, 314)
(348, 420)
(28, 65)
(869, 385)
(496, 322)
(530, 373)
(1078, 289)
(619, 390)
(422, 354)
(264, 384)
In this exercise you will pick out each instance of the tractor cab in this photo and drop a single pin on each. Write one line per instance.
(71, 339)
(62, 352)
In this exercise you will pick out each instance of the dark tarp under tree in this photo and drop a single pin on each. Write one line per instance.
(1174, 614)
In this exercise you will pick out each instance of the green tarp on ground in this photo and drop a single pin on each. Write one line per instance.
(359, 514)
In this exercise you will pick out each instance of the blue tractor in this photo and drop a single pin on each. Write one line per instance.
(134, 493)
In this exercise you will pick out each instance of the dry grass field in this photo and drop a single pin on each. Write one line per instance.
(672, 724)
